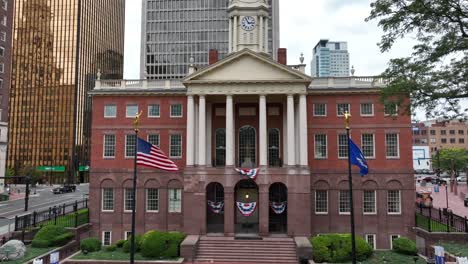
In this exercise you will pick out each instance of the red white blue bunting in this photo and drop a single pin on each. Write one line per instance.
(246, 209)
(278, 207)
(216, 207)
(251, 173)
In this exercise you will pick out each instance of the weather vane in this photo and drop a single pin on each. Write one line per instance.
(347, 117)
(136, 122)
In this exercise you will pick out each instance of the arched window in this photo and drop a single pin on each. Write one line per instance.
(220, 141)
(247, 147)
(274, 147)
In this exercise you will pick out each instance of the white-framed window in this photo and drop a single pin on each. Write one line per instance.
(2, 51)
(175, 146)
(342, 108)
(127, 234)
(5, 4)
(321, 202)
(130, 146)
(367, 109)
(110, 111)
(153, 139)
(109, 146)
(107, 199)
(391, 110)
(344, 204)
(2, 67)
(175, 200)
(320, 109)
(3, 36)
(176, 110)
(131, 110)
(152, 200)
(392, 146)
(320, 146)
(371, 240)
(369, 202)
(367, 145)
(394, 201)
(129, 199)
(106, 238)
(392, 238)
(1, 83)
(342, 146)
(4, 20)
(154, 111)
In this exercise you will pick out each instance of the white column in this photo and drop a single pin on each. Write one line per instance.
(209, 127)
(196, 145)
(303, 130)
(296, 130)
(266, 36)
(291, 133)
(261, 35)
(190, 130)
(263, 131)
(229, 131)
(285, 135)
(235, 37)
(202, 131)
(230, 35)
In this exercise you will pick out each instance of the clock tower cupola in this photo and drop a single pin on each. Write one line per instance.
(248, 25)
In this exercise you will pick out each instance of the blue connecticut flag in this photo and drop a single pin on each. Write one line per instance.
(357, 158)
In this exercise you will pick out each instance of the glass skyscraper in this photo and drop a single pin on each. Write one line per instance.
(174, 30)
(330, 59)
(58, 47)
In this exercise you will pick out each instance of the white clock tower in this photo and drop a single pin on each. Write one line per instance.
(248, 25)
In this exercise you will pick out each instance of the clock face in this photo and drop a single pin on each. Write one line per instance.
(248, 23)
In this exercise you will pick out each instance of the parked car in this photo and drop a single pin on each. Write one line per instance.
(64, 189)
(461, 179)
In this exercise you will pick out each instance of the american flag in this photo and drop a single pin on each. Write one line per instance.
(151, 156)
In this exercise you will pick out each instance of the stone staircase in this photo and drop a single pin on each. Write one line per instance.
(230, 250)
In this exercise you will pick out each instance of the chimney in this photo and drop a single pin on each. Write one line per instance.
(282, 56)
(213, 56)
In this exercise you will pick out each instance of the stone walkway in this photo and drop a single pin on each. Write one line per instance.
(455, 202)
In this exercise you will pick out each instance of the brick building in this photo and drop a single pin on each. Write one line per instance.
(438, 134)
(250, 111)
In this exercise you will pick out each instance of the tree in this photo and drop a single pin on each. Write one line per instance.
(30, 171)
(449, 159)
(436, 75)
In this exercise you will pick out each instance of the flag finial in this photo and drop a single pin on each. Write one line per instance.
(136, 122)
(347, 117)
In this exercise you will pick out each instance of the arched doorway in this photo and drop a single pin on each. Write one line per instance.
(215, 208)
(278, 213)
(246, 216)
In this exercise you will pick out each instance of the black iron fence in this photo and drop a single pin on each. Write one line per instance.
(439, 220)
(67, 215)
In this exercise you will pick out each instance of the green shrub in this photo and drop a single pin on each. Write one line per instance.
(37, 243)
(336, 248)
(126, 245)
(62, 239)
(120, 243)
(110, 248)
(47, 235)
(91, 244)
(153, 244)
(405, 246)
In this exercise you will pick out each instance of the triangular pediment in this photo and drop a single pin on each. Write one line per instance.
(247, 66)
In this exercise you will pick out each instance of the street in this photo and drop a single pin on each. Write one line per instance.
(43, 199)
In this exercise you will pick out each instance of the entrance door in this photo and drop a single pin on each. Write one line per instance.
(215, 208)
(246, 216)
(278, 218)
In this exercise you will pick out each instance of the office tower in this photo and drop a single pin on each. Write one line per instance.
(174, 31)
(330, 59)
(6, 16)
(58, 47)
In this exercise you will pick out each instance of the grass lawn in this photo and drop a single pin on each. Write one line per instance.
(31, 253)
(391, 257)
(69, 220)
(423, 222)
(458, 250)
(105, 255)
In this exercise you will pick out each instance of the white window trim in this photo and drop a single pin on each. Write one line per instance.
(154, 134)
(104, 147)
(375, 203)
(106, 116)
(126, 112)
(313, 110)
(126, 236)
(338, 146)
(315, 205)
(375, 239)
(129, 157)
(153, 116)
(395, 114)
(181, 146)
(169, 201)
(366, 115)
(373, 144)
(398, 146)
(399, 203)
(124, 205)
(391, 240)
(339, 209)
(326, 147)
(146, 201)
(102, 200)
(181, 111)
(110, 238)
(338, 110)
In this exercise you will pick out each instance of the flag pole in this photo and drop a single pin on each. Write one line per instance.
(136, 124)
(350, 180)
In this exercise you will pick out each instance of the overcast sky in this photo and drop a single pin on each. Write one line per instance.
(303, 24)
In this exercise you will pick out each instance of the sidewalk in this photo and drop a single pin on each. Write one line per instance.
(455, 202)
(16, 196)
